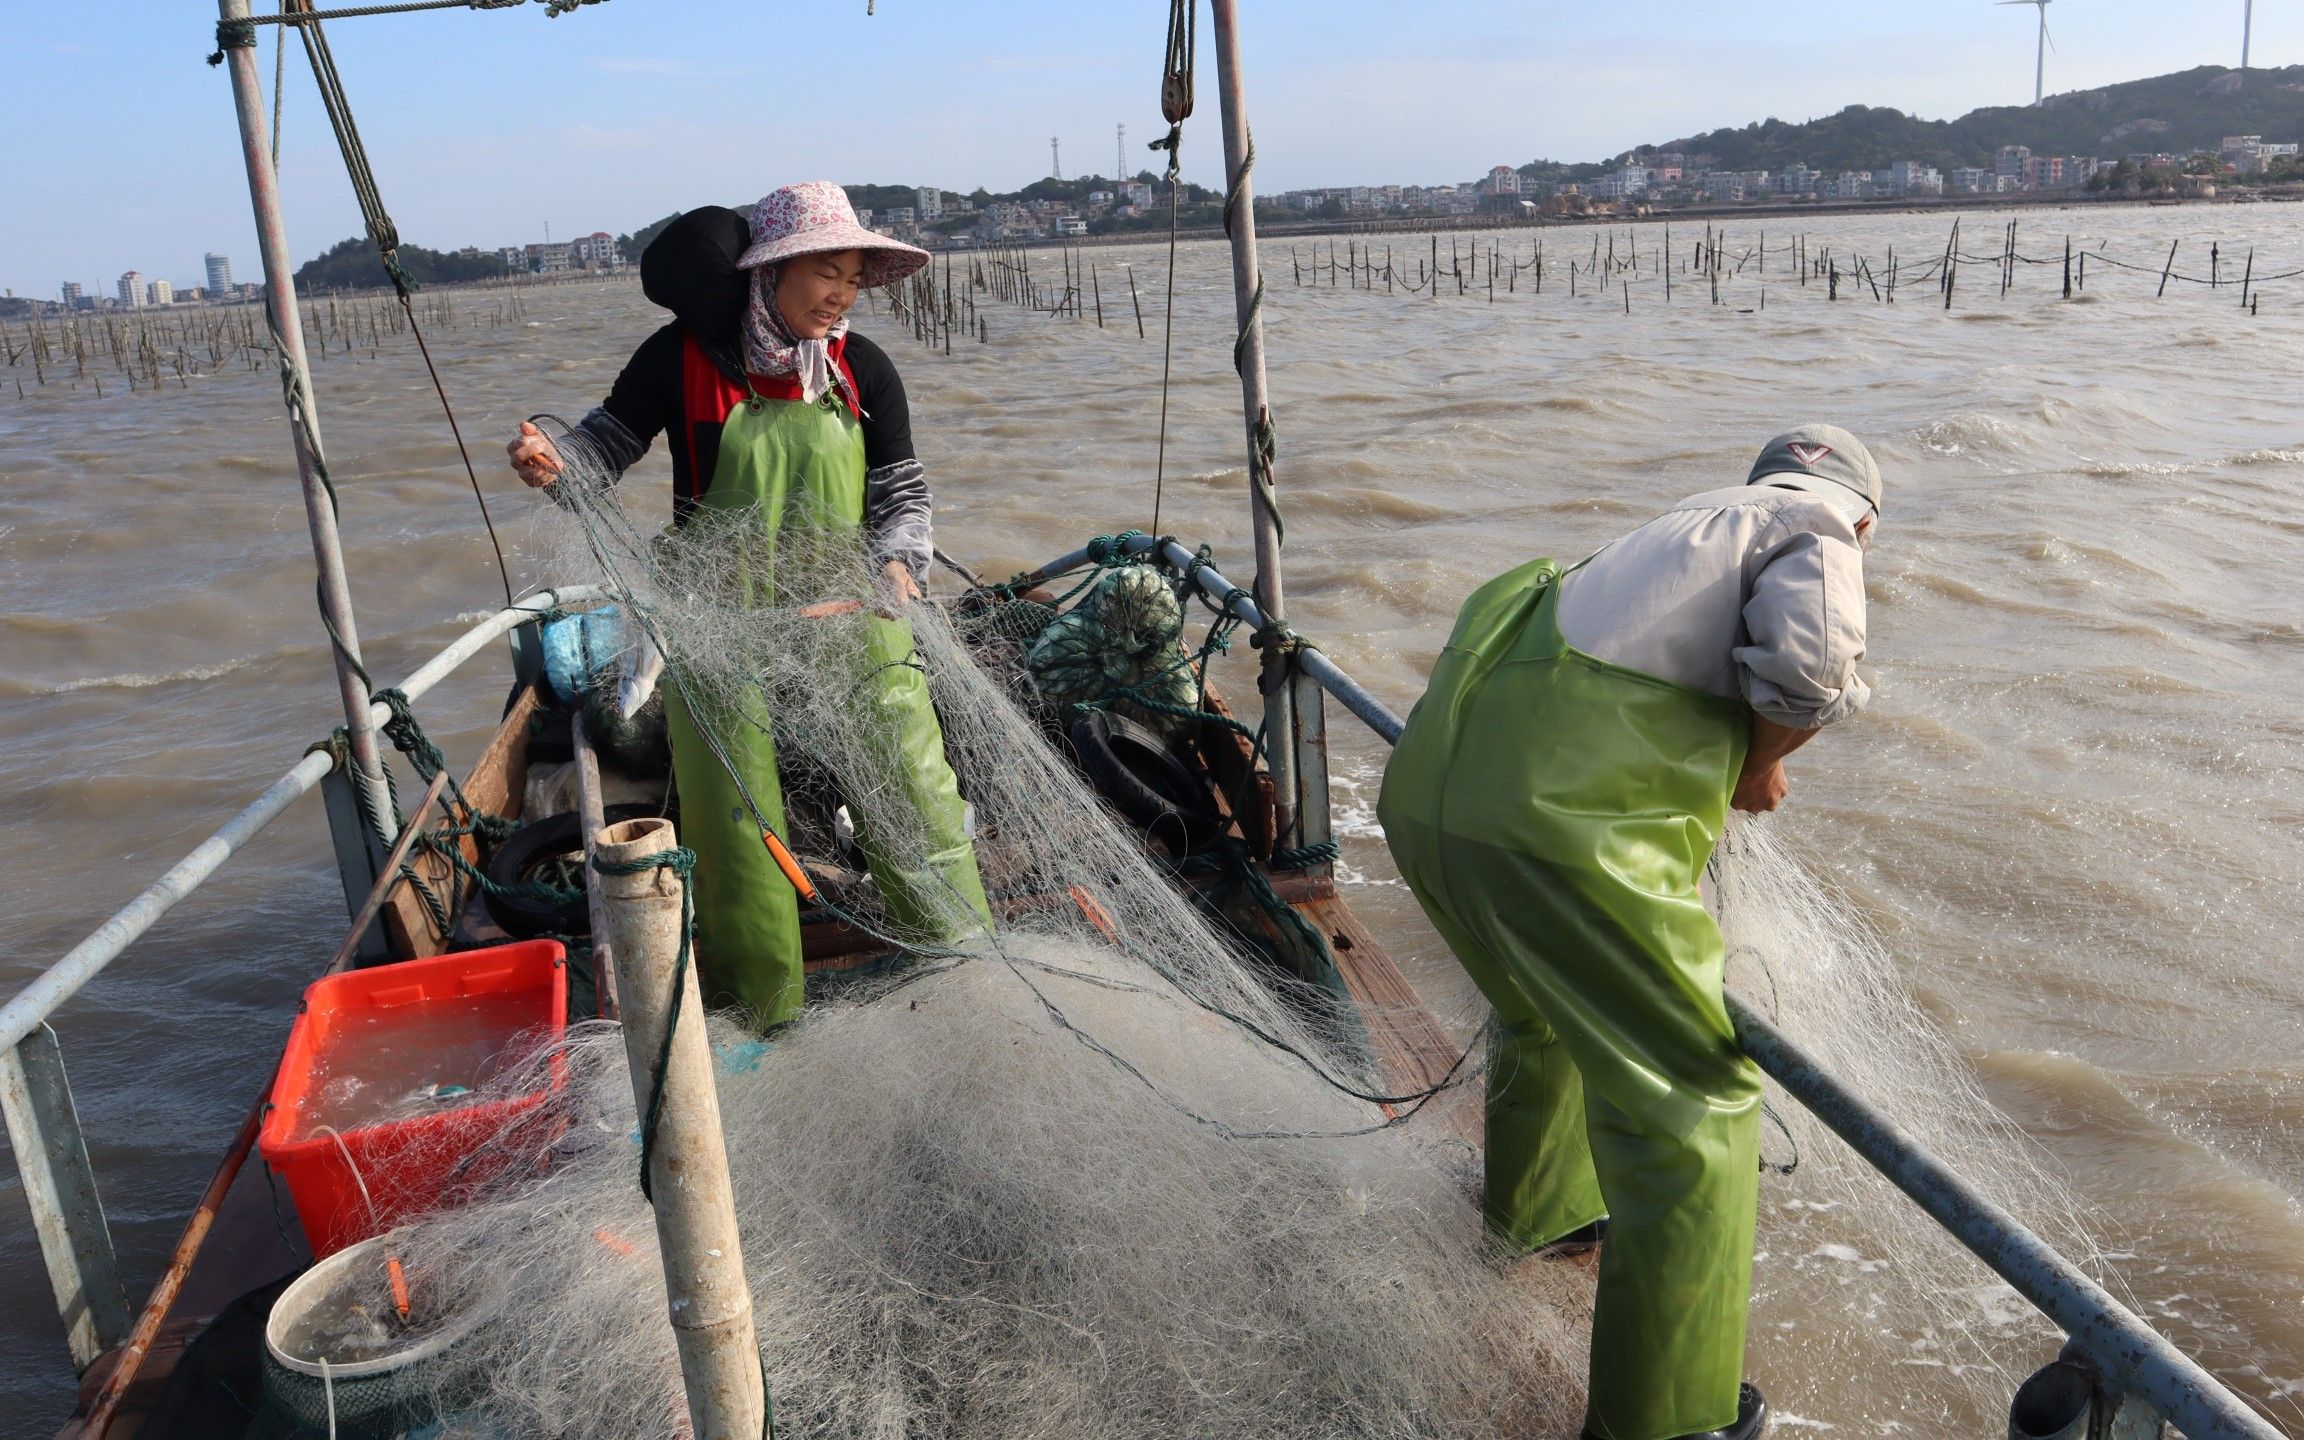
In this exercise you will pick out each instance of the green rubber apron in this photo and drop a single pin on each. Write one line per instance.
(1552, 812)
(802, 466)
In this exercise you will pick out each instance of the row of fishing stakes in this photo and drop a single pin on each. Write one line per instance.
(1599, 266)
(146, 348)
(935, 304)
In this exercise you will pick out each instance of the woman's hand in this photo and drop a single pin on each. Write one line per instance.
(533, 457)
(902, 588)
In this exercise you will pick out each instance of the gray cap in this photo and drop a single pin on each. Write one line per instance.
(1820, 452)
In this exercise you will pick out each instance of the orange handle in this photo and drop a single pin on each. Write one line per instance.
(399, 1279)
(788, 865)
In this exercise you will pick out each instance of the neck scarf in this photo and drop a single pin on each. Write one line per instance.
(771, 349)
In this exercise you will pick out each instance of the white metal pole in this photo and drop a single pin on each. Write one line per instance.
(711, 1305)
(2040, 65)
(303, 418)
(1256, 404)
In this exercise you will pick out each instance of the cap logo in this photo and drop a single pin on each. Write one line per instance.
(1807, 454)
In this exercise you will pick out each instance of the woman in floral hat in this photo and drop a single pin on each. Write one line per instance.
(774, 405)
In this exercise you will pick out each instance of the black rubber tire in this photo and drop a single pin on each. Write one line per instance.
(523, 918)
(1146, 780)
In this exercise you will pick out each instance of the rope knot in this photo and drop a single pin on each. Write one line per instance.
(233, 35)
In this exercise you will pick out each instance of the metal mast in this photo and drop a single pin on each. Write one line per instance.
(1055, 160)
(303, 413)
(1119, 153)
(1256, 405)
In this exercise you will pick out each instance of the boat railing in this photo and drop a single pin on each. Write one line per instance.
(43, 1125)
(2123, 1377)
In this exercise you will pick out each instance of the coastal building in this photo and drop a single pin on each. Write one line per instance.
(896, 215)
(596, 251)
(1796, 180)
(1069, 225)
(219, 273)
(75, 295)
(159, 292)
(2010, 163)
(864, 218)
(132, 290)
(547, 258)
(515, 259)
(1135, 192)
(1910, 177)
(2249, 155)
(1971, 180)
(928, 203)
(1502, 180)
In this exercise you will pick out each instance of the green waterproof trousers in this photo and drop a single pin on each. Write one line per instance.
(802, 465)
(1552, 813)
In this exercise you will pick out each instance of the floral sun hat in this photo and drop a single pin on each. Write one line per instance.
(814, 217)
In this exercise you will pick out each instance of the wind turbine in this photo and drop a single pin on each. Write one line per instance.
(2247, 31)
(2040, 70)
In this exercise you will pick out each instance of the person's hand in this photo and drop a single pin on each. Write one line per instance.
(901, 586)
(1761, 788)
(533, 457)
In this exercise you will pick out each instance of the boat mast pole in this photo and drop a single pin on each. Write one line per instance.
(304, 417)
(1256, 406)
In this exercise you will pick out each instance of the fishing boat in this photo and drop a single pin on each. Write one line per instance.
(1260, 797)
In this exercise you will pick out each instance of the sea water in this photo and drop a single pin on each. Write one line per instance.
(2073, 806)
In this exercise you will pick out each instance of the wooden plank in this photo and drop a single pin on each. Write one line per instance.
(496, 784)
(1411, 1048)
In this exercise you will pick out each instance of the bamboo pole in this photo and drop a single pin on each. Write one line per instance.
(687, 1157)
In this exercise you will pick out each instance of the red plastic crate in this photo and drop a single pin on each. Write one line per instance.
(420, 1163)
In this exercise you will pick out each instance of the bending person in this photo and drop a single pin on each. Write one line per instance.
(1552, 803)
(775, 408)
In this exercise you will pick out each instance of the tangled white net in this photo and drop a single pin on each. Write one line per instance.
(1857, 1280)
(1100, 1173)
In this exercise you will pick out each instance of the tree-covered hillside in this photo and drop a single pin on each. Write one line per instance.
(2190, 110)
(352, 265)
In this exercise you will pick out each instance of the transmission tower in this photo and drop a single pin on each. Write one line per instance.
(1120, 154)
(1055, 159)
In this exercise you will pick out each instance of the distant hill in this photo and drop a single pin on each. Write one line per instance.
(2190, 110)
(352, 265)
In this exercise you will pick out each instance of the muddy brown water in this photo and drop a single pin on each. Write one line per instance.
(2073, 806)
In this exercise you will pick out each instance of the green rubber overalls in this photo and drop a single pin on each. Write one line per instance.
(802, 465)
(1552, 813)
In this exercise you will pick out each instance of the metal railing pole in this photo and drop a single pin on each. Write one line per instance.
(303, 426)
(1256, 404)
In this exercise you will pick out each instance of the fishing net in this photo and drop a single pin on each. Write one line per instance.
(1102, 1172)
(1854, 1279)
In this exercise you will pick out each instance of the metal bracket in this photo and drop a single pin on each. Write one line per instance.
(1313, 825)
(2069, 1399)
(60, 1186)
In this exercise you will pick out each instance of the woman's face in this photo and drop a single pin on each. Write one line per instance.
(814, 291)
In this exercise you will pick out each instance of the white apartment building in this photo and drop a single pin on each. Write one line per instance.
(159, 292)
(219, 274)
(131, 290)
(928, 203)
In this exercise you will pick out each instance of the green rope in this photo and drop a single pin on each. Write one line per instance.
(681, 861)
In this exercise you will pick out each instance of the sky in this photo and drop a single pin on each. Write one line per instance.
(118, 149)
